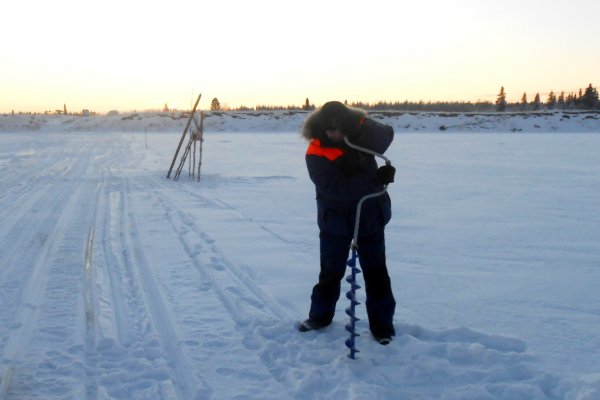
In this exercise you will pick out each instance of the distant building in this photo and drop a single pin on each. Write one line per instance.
(85, 113)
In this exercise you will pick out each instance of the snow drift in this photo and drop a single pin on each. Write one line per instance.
(288, 121)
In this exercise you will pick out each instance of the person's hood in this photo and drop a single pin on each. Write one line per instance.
(311, 129)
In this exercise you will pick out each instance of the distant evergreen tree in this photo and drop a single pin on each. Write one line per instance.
(551, 102)
(589, 100)
(215, 104)
(536, 102)
(561, 100)
(307, 105)
(570, 102)
(501, 100)
(524, 102)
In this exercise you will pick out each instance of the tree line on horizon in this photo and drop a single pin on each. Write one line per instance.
(583, 100)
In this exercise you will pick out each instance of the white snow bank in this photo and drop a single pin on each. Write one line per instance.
(290, 121)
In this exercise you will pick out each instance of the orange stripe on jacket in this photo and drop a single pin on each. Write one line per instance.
(330, 153)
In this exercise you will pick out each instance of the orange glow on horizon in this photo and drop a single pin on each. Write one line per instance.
(270, 52)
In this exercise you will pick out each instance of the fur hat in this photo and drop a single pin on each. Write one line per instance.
(332, 115)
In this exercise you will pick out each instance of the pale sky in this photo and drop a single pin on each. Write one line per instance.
(138, 55)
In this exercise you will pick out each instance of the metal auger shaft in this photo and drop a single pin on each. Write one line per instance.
(351, 310)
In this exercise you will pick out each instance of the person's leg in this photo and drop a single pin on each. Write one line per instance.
(334, 254)
(380, 299)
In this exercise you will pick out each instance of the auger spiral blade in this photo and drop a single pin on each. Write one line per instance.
(350, 343)
(351, 311)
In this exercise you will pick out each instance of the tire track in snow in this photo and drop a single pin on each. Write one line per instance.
(90, 336)
(58, 318)
(34, 289)
(186, 383)
(44, 231)
(115, 302)
(21, 235)
(17, 227)
(91, 384)
(132, 301)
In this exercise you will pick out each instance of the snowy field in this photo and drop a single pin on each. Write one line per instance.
(116, 283)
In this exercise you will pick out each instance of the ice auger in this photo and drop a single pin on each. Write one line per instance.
(354, 270)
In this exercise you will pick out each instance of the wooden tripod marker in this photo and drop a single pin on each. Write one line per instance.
(195, 136)
(183, 136)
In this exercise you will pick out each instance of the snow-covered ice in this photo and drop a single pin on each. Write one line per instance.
(117, 283)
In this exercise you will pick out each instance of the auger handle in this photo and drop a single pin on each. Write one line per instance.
(354, 244)
(368, 151)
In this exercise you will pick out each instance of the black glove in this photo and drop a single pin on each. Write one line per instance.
(385, 174)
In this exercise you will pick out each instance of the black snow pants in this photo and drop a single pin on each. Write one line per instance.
(380, 299)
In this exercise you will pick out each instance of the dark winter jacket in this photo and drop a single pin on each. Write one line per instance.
(343, 175)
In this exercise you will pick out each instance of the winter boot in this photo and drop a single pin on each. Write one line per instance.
(311, 325)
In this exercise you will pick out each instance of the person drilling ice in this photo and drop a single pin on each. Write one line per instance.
(343, 175)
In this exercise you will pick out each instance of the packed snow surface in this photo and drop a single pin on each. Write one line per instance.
(117, 283)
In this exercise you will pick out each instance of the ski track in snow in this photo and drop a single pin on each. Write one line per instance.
(95, 316)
